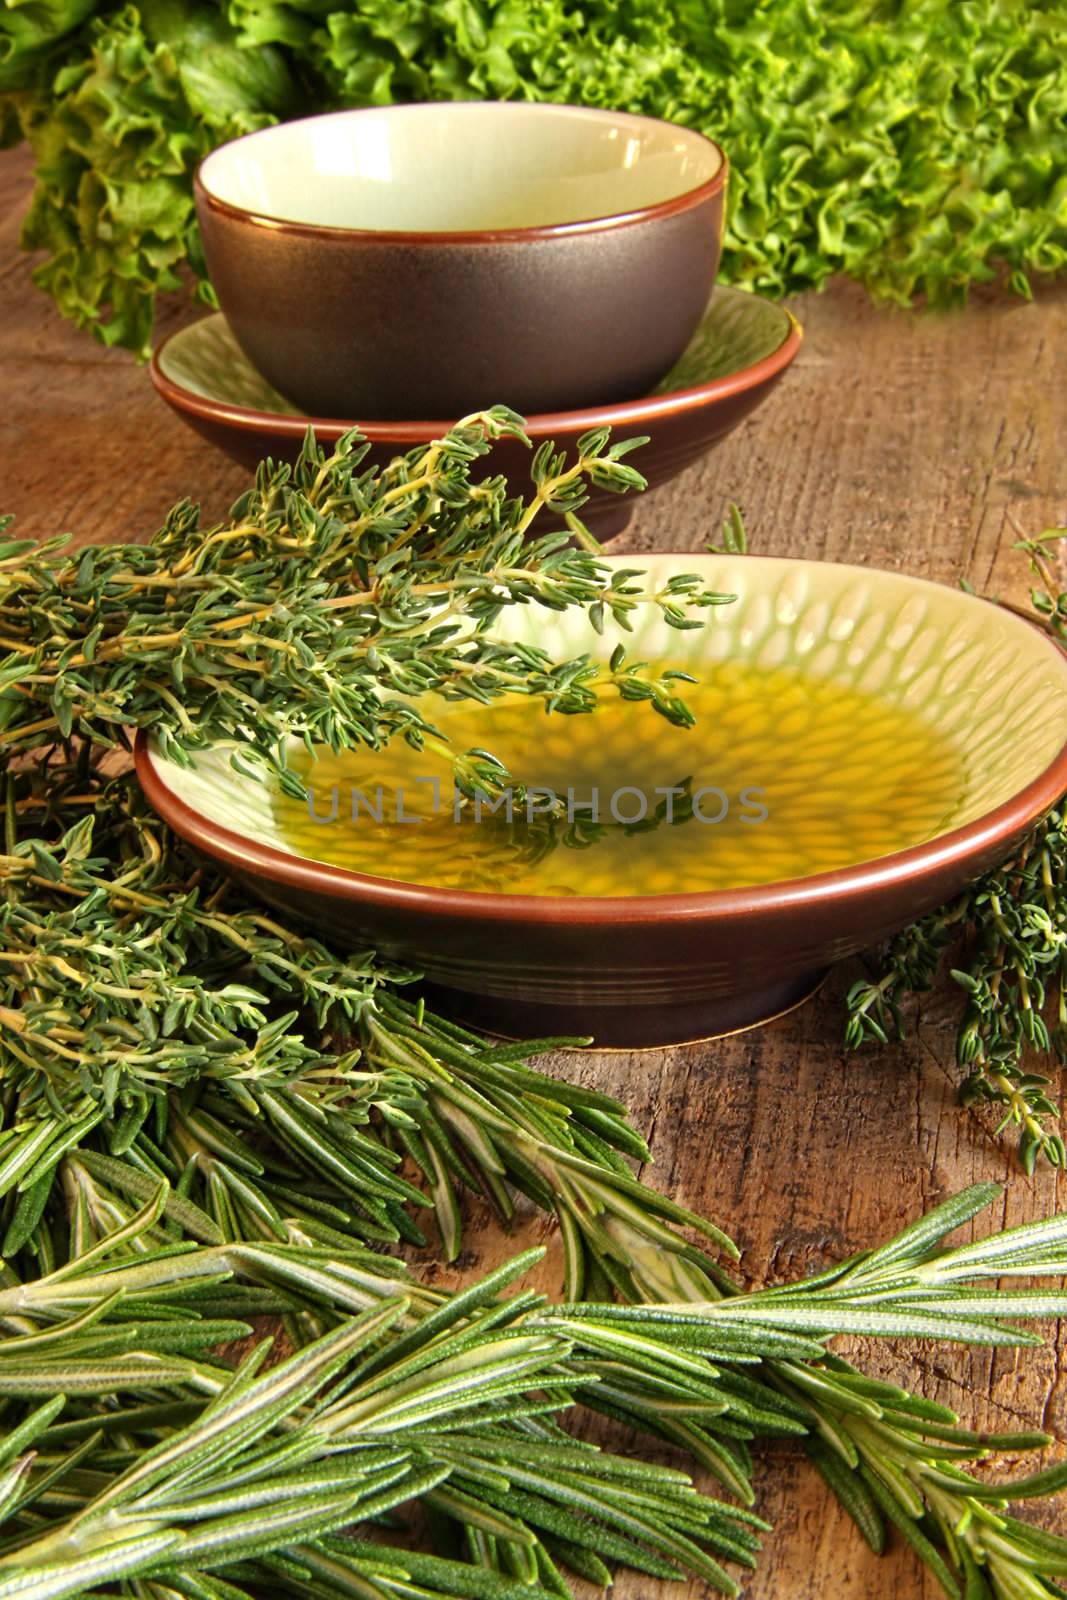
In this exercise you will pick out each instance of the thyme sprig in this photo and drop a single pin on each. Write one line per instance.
(336, 593)
(150, 1013)
(1004, 941)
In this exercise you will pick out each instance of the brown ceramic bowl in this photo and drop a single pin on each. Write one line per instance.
(664, 968)
(737, 355)
(427, 260)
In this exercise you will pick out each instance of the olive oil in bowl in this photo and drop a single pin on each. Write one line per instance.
(784, 775)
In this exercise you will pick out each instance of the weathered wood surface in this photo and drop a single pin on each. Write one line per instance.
(925, 444)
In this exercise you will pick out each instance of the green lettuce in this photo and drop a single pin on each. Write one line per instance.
(919, 147)
(29, 30)
(115, 140)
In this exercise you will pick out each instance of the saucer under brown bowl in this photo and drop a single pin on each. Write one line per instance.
(736, 357)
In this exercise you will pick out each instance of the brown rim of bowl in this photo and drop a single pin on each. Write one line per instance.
(1004, 822)
(622, 413)
(547, 230)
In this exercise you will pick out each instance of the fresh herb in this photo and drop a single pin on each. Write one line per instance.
(918, 148)
(1004, 940)
(138, 1455)
(209, 1118)
(335, 593)
(147, 1010)
(894, 1459)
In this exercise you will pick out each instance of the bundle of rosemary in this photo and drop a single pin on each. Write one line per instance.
(209, 1119)
(139, 1456)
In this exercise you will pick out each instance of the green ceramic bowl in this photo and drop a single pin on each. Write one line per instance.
(738, 353)
(662, 968)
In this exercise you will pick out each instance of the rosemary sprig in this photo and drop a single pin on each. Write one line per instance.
(397, 1401)
(448, 1398)
(893, 1458)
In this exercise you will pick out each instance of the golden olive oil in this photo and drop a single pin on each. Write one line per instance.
(784, 774)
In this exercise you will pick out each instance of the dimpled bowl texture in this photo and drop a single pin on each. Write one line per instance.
(659, 969)
(734, 359)
(428, 260)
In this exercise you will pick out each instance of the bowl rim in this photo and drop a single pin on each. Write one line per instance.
(1004, 823)
(673, 205)
(620, 413)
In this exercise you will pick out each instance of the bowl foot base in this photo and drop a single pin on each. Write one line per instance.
(636, 1027)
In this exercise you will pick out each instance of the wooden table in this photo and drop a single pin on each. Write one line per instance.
(897, 440)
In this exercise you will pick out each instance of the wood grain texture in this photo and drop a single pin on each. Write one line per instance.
(897, 440)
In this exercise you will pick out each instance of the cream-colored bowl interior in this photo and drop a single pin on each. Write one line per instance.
(990, 684)
(458, 167)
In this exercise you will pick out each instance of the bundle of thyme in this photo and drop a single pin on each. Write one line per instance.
(1004, 942)
(337, 591)
(133, 969)
(209, 1118)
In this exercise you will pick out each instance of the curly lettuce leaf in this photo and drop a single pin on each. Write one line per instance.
(280, 22)
(29, 30)
(920, 147)
(228, 88)
(115, 142)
